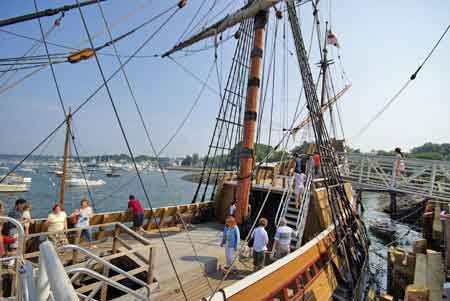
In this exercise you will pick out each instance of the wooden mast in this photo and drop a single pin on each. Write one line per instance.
(66, 156)
(251, 106)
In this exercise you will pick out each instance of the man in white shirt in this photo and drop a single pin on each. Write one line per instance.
(260, 241)
(282, 241)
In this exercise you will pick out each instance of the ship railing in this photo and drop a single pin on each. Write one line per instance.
(17, 257)
(426, 178)
(53, 279)
(107, 265)
(121, 247)
(304, 209)
(130, 250)
(284, 201)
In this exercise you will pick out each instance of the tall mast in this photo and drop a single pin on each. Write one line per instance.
(324, 65)
(66, 156)
(246, 159)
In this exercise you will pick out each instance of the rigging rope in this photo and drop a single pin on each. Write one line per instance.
(56, 23)
(152, 146)
(405, 85)
(91, 96)
(4, 87)
(61, 102)
(130, 151)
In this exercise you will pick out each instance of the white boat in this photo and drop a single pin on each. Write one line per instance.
(26, 169)
(76, 182)
(14, 187)
(15, 179)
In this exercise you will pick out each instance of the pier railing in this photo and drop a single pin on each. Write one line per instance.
(427, 178)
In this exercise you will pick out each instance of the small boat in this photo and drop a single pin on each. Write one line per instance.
(382, 229)
(15, 179)
(113, 172)
(77, 182)
(26, 169)
(13, 188)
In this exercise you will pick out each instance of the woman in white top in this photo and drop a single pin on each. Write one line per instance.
(399, 165)
(57, 224)
(82, 217)
(260, 241)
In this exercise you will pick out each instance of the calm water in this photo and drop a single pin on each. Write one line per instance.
(114, 196)
(373, 204)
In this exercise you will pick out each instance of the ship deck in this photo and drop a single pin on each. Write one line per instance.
(199, 274)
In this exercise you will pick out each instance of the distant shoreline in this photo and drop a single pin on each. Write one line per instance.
(184, 168)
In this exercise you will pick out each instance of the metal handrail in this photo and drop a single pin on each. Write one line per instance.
(426, 178)
(107, 280)
(105, 263)
(19, 252)
(283, 201)
(307, 191)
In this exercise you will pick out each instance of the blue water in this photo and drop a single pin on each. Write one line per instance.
(44, 191)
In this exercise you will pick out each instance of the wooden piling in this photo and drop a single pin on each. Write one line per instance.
(416, 293)
(401, 267)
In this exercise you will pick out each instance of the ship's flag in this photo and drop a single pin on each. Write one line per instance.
(332, 39)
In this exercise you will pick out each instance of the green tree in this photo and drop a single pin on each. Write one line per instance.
(187, 161)
(195, 159)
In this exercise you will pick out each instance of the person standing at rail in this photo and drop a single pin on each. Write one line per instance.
(57, 226)
(82, 217)
(134, 205)
(398, 166)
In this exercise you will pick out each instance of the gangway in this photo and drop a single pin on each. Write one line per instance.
(426, 178)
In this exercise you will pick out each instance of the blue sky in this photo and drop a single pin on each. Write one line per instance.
(383, 42)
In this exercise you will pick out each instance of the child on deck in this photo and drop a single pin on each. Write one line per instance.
(26, 218)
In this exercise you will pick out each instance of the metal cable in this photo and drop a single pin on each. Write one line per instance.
(61, 102)
(125, 138)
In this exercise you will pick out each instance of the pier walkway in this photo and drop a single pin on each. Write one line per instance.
(426, 178)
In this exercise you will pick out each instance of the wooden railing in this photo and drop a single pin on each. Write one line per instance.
(103, 224)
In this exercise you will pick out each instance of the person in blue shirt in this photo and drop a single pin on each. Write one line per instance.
(230, 240)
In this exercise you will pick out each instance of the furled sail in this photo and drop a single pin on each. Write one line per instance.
(246, 12)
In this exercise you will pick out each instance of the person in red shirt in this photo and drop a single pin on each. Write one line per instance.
(134, 205)
(316, 159)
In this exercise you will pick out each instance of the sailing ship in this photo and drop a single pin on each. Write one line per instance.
(329, 254)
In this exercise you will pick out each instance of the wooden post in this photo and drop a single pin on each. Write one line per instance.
(76, 241)
(250, 116)
(151, 259)
(104, 291)
(115, 236)
(393, 203)
(66, 156)
(416, 293)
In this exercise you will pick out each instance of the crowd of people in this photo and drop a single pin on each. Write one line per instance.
(259, 241)
(57, 223)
